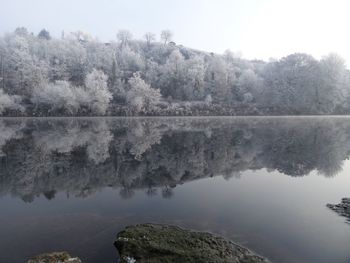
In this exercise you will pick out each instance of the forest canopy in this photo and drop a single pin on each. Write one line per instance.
(79, 75)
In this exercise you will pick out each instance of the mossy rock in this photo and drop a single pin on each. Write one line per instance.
(163, 243)
(342, 209)
(55, 257)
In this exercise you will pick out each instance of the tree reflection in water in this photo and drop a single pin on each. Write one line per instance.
(81, 156)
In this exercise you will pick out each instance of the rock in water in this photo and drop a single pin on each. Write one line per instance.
(342, 209)
(163, 243)
(55, 257)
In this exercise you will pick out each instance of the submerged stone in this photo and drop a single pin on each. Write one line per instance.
(342, 209)
(55, 257)
(163, 243)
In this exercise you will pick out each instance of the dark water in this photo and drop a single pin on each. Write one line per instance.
(72, 184)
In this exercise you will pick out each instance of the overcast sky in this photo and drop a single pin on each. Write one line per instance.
(257, 28)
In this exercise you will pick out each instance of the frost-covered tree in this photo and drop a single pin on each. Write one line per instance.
(216, 77)
(99, 56)
(292, 84)
(61, 96)
(21, 31)
(68, 59)
(166, 36)
(75, 58)
(8, 102)
(152, 73)
(112, 79)
(248, 84)
(58, 96)
(149, 37)
(296, 84)
(129, 62)
(44, 34)
(22, 69)
(174, 76)
(124, 36)
(97, 89)
(141, 97)
(195, 73)
(334, 87)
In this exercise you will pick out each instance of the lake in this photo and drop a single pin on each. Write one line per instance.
(73, 183)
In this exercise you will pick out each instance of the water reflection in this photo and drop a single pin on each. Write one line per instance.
(82, 156)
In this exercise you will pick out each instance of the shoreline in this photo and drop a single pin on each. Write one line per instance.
(177, 117)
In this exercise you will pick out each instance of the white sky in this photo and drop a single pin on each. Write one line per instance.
(257, 28)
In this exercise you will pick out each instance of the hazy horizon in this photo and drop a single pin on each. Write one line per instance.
(257, 29)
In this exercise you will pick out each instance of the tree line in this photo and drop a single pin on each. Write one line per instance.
(80, 75)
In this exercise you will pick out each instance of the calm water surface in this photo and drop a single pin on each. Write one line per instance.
(73, 184)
